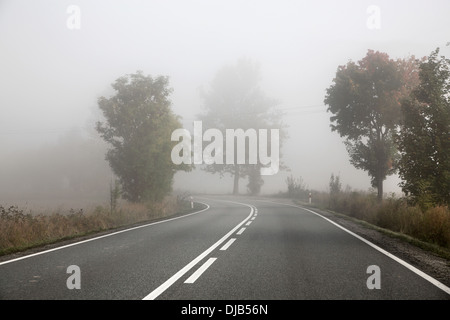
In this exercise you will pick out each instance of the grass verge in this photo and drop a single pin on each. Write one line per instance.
(20, 231)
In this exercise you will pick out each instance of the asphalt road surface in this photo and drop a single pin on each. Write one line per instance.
(241, 249)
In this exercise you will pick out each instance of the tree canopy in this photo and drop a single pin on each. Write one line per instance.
(236, 101)
(424, 135)
(365, 102)
(138, 126)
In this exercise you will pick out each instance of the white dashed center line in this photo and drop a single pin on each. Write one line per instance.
(200, 270)
(169, 282)
(225, 247)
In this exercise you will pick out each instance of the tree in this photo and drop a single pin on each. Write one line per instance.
(255, 181)
(114, 195)
(424, 135)
(138, 126)
(235, 101)
(365, 102)
(335, 184)
(335, 189)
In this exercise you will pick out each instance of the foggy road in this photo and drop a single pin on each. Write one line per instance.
(243, 249)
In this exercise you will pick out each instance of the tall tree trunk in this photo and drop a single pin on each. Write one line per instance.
(380, 189)
(236, 180)
(381, 155)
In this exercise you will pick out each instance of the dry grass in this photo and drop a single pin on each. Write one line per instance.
(19, 230)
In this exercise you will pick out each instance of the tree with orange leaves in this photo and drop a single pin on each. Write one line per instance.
(365, 102)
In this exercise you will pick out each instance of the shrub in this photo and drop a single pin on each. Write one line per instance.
(296, 187)
(410, 220)
(436, 226)
(19, 231)
(397, 214)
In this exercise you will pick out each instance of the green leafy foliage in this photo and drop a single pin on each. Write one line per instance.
(139, 123)
(424, 135)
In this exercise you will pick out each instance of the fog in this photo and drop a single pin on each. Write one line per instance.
(52, 73)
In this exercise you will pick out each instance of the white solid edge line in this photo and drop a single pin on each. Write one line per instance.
(420, 273)
(200, 270)
(163, 287)
(104, 236)
(228, 244)
(240, 231)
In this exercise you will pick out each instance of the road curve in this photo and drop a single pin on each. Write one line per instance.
(242, 249)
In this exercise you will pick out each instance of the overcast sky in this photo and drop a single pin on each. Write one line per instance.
(51, 75)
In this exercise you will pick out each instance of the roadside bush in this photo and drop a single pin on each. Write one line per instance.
(410, 220)
(436, 226)
(19, 231)
(389, 214)
(296, 187)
